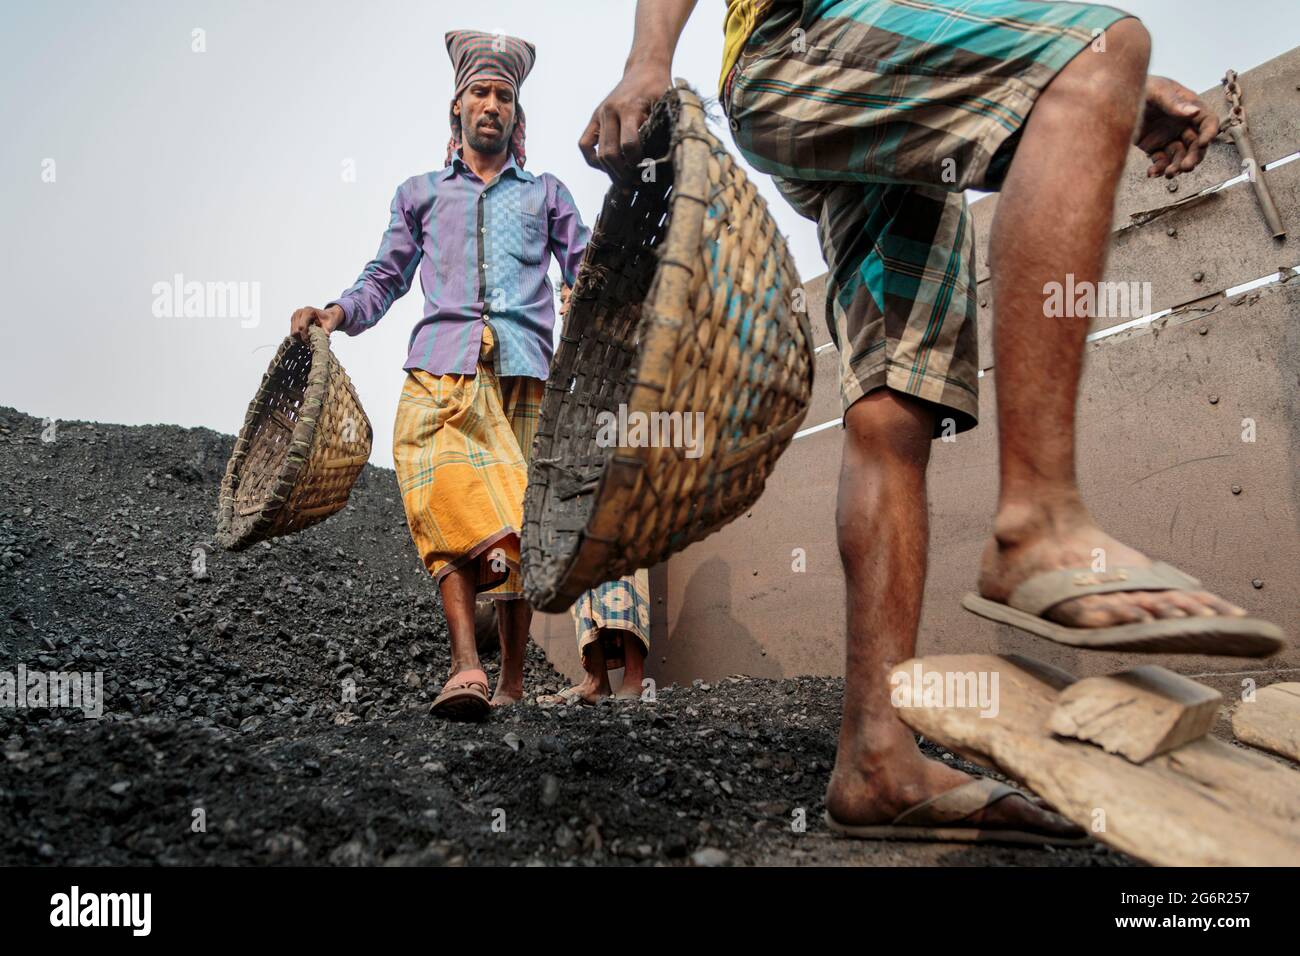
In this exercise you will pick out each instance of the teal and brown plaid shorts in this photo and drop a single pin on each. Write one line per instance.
(873, 117)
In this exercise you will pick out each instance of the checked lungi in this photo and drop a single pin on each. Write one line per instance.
(461, 445)
(615, 611)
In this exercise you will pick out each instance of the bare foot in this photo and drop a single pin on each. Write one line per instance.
(876, 789)
(510, 690)
(1032, 538)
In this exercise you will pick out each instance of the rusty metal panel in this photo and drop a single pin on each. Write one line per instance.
(1271, 95)
(1222, 240)
(825, 404)
(1158, 463)
(735, 603)
(1272, 100)
(815, 299)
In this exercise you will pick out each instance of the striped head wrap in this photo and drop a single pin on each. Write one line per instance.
(489, 56)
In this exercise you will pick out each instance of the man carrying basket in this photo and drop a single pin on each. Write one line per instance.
(480, 232)
(873, 117)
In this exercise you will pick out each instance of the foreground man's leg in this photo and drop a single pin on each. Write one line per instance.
(1054, 219)
(883, 534)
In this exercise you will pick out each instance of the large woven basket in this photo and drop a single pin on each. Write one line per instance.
(304, 441)
(686, 303)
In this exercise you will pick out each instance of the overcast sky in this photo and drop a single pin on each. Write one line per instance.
(270, 158)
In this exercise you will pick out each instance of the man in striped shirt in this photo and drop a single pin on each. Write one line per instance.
(481, 232)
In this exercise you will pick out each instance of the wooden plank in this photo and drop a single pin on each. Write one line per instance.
(1271, 721)
(1219, 807)
(1136, 713)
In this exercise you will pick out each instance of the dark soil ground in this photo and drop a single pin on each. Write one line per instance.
(224, 674)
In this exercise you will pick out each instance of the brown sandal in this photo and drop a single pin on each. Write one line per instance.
(463, 697)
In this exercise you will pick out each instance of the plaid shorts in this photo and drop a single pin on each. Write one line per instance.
(873, 117)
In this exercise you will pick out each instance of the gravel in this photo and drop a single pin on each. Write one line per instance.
(270, 707)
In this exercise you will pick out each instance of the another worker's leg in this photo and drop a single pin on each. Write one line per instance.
(595, 683)
(1053, 221)
(634, 654)
(513, 621)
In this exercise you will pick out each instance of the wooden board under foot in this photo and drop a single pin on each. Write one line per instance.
(1138, 713)
(1271, 721)
(1205, 803)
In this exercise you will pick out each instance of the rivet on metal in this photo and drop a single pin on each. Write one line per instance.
(1214, 399)
(1203, 330)
(1173, 186)
(1236, 489)
(1171, 231)
(1257, 584)
(1198, 276)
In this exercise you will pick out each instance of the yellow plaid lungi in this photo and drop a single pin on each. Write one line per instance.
(461, 445)
(618, 608)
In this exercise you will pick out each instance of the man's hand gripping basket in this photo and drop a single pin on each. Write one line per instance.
(687, 325)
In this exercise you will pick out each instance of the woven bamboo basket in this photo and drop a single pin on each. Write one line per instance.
(304, 441)
(685, 305)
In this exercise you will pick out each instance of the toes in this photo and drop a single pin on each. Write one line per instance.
(1156, 603)
(1191, 605)
(1136, 607)
(1022, 814)
(1217, 604)
(1101, 610)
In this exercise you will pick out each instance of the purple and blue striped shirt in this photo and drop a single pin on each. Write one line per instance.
(483, 253)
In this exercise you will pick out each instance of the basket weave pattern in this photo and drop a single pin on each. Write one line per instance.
(304, 441)
(686, 302)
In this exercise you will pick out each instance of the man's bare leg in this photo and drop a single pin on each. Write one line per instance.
(882, 528)
(458, 590)
(1054, 218)
(633, 668)
(513, 621)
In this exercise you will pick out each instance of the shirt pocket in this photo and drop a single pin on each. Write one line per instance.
(533, 238)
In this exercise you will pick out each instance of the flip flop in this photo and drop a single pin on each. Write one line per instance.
(463, 697)
(566, 696)
(1228, 636)
(944, 811)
